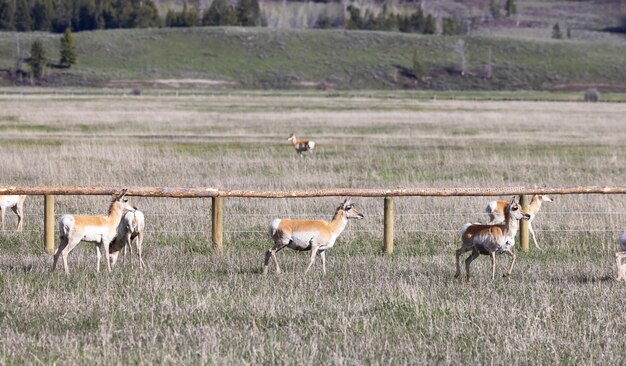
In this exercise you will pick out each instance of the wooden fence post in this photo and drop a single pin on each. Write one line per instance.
(523, 225)
(48, 225)
(388, 238)
(217, 215)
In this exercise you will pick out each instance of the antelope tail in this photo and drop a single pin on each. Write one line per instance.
(274, 227)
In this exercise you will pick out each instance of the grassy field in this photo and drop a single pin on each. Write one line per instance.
(262, 58)
(561, 305)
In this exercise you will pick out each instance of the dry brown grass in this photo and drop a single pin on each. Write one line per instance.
(560, 306)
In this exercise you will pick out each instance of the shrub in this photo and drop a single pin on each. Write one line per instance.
(592, 95)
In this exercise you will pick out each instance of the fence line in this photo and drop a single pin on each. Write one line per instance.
(217, 196)
(207, 192)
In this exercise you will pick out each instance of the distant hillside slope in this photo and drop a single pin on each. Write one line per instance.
(270, 58)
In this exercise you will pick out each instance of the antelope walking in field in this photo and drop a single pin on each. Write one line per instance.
(100, 230)
(495, 210)
(131, 226)
(15, 203)
(314, 235)
(491, 239)
(301, 146)
(621, 268)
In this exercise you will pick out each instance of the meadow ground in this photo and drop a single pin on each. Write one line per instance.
(561, 305)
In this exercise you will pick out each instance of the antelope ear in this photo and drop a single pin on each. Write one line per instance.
(120, 195)
(346, 202)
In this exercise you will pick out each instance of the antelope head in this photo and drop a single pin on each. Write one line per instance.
(516, 212)
(351, 212)
(121, 198)
(292, 137)
(544, 198)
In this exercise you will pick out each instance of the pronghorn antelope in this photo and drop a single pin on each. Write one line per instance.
(100, 230)
(621, 268)
(314, 235)
(491, 239)
(131, 226)
(301, 145)
(495, 210)
(15, 203)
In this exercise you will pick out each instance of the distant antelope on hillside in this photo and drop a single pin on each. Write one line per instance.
(314, 235)
(495, 210)
(491, 239)
(621, 268)
(16, 204)
(100, 230)
(301, 146)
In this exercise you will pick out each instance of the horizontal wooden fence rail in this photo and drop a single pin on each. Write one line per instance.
(217, 198)
(204, 192)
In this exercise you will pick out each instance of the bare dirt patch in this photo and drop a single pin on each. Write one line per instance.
(171, 83)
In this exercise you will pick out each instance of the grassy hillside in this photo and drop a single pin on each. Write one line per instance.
(270, 58)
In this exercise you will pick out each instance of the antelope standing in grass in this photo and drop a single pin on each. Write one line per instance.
(495, 210)
(15, 203)
(100, 230)
(491, 239)
(621, 269)
(301, 146)
(131, 226)
(314, 235)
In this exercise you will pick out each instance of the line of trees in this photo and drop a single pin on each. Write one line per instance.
(58, 15)
(418, 22)
(80, 15)
(245, 13)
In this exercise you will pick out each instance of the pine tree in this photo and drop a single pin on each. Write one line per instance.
(418, 66)
(190, 17)
(510, 7)
(147, 15)
(63, 15)
(6, 15)
(556, 32)
(356, 20)
(23, 21)
(450, 26)
(494, 9)
(417, 21)
(85, 17)
(37, 59)
(248, 13)
(219, 13)
(430, 27)
(42, 15)
(68, 49)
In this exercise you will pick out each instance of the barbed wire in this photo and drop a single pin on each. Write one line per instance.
(208, 231)
(204, 222)
(326, 214)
